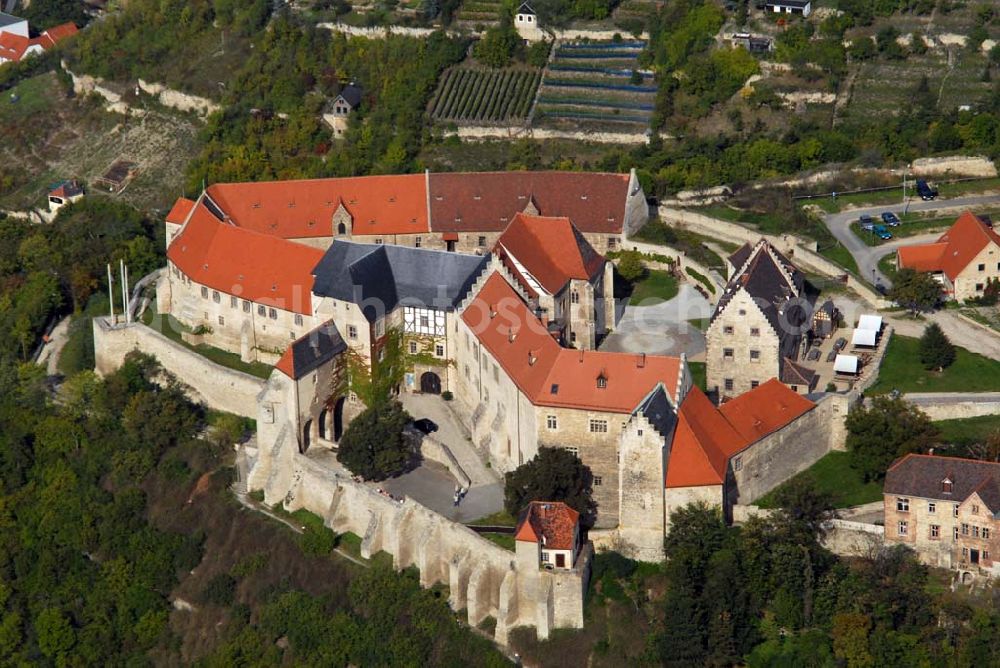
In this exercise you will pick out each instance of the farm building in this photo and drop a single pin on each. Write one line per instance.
(803, 7)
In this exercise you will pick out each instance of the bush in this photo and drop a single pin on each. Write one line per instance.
(630, 266)
(317, 541)
(936, 350)
(447, 395)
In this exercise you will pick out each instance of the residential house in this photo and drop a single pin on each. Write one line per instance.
(946, 509)
(548, 534)
(526, 24)
(801, 7)
(963, 259)
(15, 43)
(756, 331)
(568, 283)
(63, 193)
(343, 105)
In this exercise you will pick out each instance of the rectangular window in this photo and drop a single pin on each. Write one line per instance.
(575, 451)
(416, 242)
(738, 463)
(755, 331)
(903, 528)
(378, 241)
(954, 531)
(612, 243)
(598, 426)
(954, 510)
(979, 287)
(754, 383)
(439, 350)
(986, 554)
(482, 241)
(216, 297)
(574, 297)
(754, 355)
(728, 384)
(975, 531)
(986, 533)
(261, 310)
(246, 306)
(597, 481)
(272, 313)
(204, 293)
(352, 332)
(545, 556)
(903, 505)
(291, 335)
(496, 373)
(298, 318)
(982, 267)
(551, 422)
(935, 531)
(975, 509)
(965, 529)
(222, 321)
(425, 321)
(931, 507)
(727, 353)
(727, 329)
(413, 347)
(233, 302)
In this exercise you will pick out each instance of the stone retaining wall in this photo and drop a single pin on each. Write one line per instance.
(215, 385)
(436, 451)
(945, 406)
(852, 539)
(488, 132)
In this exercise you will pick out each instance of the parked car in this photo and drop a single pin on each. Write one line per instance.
(839, 344)
(831, 356)
(813, 355)
(866, 222)
(882, 233)
(925, 191)
(890, 219)
(425, 426)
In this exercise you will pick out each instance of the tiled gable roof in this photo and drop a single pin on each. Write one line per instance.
(239, 262)
(796, 374)
(922, 476)
(309, 352)
(551, 250)
(488, 201)
(379, 205)
(551, 523)
(380, 276)
(954, 250)
(180, 211)
(550, 375)
(707, 436)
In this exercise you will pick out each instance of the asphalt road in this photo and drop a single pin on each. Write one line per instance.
(866, 256)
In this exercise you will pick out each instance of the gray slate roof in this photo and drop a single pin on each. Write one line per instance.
(316, 348)
(351, 95)
(8, 19)
(381, 277)
(658, 411)
(922, 475)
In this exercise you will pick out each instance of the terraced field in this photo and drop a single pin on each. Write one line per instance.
(589, 85)
(486, 12)
(483, 96)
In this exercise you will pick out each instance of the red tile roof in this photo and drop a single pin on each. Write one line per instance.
(303, 209)
(552, 523)
(240, 262)
(954, 250)
(550, 375)
(13, 47)
(488, 201)
(179, 212)
(60, 32)
(550, 249)
(706, 436)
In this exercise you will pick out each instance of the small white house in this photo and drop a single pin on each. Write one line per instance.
(343, 105)
(63, 193)
(548, 533)
(526, 24)
(803, 7)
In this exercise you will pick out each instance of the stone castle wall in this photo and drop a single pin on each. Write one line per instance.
(218, 386)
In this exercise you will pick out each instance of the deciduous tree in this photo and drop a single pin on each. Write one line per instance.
(554, 474)
(885, 431)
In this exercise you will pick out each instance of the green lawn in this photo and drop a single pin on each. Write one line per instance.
(172, 329)
(901, 370)
(837, 253)
(500, 518)
(833, 474)
(659, 285)
(698, 374)
(967, 431)
(504, 540)
(887, 265)
(34, 96)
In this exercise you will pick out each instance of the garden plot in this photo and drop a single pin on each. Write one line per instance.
(483, 96)
(593, 84)
(486, 12)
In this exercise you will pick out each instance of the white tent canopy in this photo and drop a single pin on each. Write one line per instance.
(870, 322)
(846, 364)
(863, 337)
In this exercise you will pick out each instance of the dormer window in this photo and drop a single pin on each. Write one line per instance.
(946, 486)
(602, 382)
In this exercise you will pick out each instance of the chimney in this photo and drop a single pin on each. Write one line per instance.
(641, 363)
(581, 357)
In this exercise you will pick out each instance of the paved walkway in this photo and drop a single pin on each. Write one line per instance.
(866, 256)
(663, 329)
(452, 433)
(49, 355)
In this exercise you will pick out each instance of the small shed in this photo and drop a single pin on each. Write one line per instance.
(846, 364)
